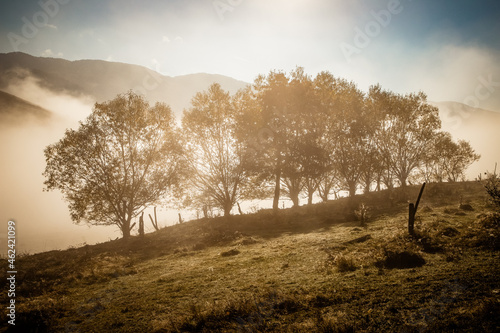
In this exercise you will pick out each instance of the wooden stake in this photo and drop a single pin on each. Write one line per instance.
(412, 210)
(155, 222)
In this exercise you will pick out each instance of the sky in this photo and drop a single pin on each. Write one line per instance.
(449, 49)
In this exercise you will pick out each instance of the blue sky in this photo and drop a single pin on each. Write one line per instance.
(445, 48)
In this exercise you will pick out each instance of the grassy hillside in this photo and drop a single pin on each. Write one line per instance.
(314, 268)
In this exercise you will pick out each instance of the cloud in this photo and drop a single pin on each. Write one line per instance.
(465, 74)
(42, 218)
(165, 39)
(50, 53)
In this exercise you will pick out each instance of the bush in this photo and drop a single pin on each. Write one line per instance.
(493, 188)
(488, 234)
(401, 260)
(344, 264)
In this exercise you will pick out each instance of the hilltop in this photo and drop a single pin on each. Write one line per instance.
(312, 268)
(102, 80)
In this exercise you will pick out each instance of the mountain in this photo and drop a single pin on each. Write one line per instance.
(478, 126)
(14, 109)
(103, 80)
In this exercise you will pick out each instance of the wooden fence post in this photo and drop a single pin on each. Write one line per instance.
(141, 225)
(411, 219)
(412, 210)
(155, 222)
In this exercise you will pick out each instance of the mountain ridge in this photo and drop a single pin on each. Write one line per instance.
(103, 80)
(13, 108)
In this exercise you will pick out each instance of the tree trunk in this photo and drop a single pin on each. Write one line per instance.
(141, 225)
(277, 189)
(402, 179)
(324, 193)
(227, 209)
(310, 198)
(126, 229)
(295, 199)
(352, 190)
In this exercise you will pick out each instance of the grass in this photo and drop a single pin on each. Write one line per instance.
(314, 268)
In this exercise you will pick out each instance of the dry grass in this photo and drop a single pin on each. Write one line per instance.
(308, 269)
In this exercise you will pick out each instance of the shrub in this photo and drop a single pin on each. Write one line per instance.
(362, 214)
(488, 235)
(344, 264)
(493, 189)
(401, 259)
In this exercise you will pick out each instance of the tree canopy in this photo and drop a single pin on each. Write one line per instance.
(286, 134)
(122, 158)
(214, 155)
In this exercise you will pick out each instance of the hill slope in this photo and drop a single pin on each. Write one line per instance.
(308, 269)
(13, 108)
(478, 126)
(103, 80)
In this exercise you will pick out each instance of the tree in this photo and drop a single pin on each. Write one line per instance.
(214, 154)
(123, 157)
(303, 156)
(405, 135)
(350, 130)
(329, 179)
(281, 132)
(263, 126)
(448, 160)
(460, 158)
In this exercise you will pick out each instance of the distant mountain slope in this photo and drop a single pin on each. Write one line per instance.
(103, 80)
(15, 109)
(478, 126)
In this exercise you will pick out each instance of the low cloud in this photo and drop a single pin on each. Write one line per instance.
(42, 218)
(50, 53)
(460, 73)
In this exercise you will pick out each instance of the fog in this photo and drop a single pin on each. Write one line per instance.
(42, 218)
